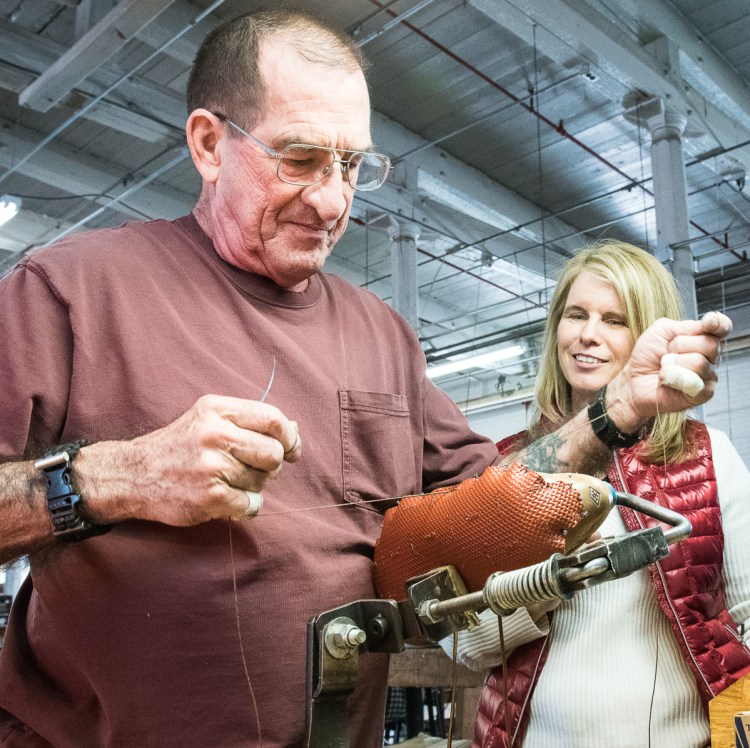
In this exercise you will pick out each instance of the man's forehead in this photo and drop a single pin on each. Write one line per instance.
(313, 102)
(282, 57)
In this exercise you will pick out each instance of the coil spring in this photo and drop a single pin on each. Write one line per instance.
(506, 591)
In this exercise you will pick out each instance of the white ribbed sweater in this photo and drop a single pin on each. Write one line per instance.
(602, 669)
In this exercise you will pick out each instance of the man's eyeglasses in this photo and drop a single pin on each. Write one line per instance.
(303, 165)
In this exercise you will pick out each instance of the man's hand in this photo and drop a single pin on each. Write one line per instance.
(639, 391)
(196, 469)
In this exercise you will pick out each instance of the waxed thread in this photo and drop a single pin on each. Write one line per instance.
(656, 657)
(506, 687)
(453, 689)
(664, 494)
(239, 637)
(530, 451)
(237, 596)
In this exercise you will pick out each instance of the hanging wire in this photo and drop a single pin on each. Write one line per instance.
(122, 181)
(724, 353)
(179, 158)
(477, 309)
(540, 169)
(428, 295)
(8, 263)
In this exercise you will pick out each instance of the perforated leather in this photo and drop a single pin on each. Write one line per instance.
(506, 519)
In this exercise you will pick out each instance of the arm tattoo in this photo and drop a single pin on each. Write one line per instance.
(543, 455)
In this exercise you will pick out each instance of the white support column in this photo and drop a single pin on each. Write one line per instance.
(670, 202)
(405, 301)
(670, 197)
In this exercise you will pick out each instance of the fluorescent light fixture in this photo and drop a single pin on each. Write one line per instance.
(474, 362)
(9, 206)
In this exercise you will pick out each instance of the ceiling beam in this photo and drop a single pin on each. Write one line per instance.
(30, 53)
(93, 49)
(575, 30)
(726, 89)
(507, 208)
(177, 16)
(105, 113)
(77, 173)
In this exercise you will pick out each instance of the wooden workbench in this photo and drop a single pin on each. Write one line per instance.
(430, 667)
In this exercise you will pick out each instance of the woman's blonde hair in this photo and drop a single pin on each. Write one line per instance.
(647, 292)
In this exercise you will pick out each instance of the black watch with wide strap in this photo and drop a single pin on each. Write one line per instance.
(605, 428)
(63, 500)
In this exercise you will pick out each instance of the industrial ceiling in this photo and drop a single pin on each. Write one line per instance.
(516, 128)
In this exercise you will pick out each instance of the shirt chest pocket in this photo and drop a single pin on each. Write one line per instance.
(378, 451)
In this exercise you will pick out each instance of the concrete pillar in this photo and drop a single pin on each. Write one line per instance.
(670, 197)
(405, 301)
(670, 202)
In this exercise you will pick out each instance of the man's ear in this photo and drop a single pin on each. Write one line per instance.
(204, 133)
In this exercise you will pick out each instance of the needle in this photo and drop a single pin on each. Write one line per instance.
(255, 498)
(270, 381)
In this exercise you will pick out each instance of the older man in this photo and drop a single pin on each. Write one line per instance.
(167, 622)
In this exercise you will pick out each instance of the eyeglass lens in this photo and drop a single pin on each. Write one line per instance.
(305, 165)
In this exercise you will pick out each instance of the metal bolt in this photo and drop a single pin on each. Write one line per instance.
(350, 637)
(341, 637)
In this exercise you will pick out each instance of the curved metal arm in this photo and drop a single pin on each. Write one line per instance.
(561, 576)
(681, 526)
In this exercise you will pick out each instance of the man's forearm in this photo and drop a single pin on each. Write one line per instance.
(25, 523)
(25, 520)
(200, 467)
(573, 448)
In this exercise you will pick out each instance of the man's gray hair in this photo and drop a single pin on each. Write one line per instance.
(225, 76)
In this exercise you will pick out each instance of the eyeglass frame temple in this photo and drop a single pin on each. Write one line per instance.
(275, 154)
(267, 148)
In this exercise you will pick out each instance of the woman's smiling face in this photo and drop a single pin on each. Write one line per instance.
(593, 338)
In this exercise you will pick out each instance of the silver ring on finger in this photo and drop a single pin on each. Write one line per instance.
(254, 503)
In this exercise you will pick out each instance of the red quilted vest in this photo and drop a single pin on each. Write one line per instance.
(688, 586)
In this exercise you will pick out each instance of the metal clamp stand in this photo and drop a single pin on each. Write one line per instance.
(557, 577)
(438, 604)
(335, 640)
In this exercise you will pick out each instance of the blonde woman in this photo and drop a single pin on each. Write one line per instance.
(632, 662)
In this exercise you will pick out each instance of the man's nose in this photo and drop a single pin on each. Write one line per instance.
(327, 196)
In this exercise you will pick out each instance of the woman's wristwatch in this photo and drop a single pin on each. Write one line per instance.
(605, 428)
